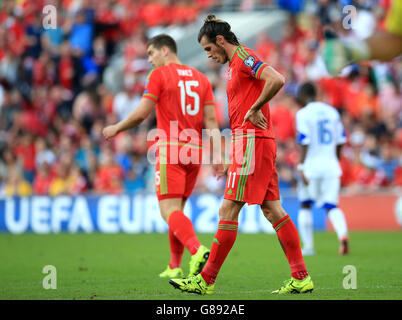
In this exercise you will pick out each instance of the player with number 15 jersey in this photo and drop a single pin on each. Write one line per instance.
(180, 128)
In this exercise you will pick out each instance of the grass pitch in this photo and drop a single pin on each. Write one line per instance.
(124, 266)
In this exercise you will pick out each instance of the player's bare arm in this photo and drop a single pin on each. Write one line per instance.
(338, 151)
(303, 153)
(134, 119)
(274, 81)
(211, 124)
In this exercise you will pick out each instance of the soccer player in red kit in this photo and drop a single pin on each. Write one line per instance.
(184, 104)
(252, 176)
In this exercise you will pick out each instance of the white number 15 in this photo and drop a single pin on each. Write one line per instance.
(186, 90)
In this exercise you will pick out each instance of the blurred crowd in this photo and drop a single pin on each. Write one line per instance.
(59, 87)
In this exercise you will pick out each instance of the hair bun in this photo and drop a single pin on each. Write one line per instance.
(210, 18)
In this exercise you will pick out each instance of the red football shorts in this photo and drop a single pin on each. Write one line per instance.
(176, 171)
(252, 175)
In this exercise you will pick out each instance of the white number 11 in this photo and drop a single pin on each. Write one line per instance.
(232, 176)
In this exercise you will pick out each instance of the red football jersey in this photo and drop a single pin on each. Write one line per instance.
(180, 93)
(243, 89)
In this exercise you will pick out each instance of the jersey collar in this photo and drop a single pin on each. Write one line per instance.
(237, 48)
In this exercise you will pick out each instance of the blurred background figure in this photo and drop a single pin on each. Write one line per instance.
(16, 185)
(320, 135)
(109, 177)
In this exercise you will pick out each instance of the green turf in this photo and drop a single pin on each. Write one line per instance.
(99, 266)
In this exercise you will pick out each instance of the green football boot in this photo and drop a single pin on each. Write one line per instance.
(296, 286)
(198, 261)
(172, 273)
(194, 284)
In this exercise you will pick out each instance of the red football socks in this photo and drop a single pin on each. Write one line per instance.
(176, 250)
(289, 240)
(183, 229)
(224, 239)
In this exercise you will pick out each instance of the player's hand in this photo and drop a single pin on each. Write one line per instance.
(305, 181)
(257, 118)
(303, 177)
(219, 170)
(110, 132)
(300, 168)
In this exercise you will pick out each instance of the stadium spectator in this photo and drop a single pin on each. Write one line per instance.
(43, 179)
(52, 39)
(283, 119)
(133, 182)
(16, 185)
(265, 47)
(7, 164)
(387, 164)
(43, 154)
(25, 152)
(10, 108)
(183, 12)
(286, 178)
(109, 176)
(293, 6)
(91, 173)
(86, 108)
(123, 147)
(83, 153)
(33, 32)
(81, 35)
(76, 182)
(154, 13)
(59, 184)
(127, 99)
(65, 66)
